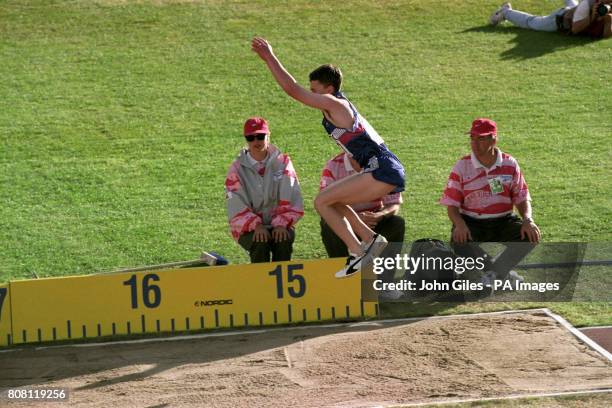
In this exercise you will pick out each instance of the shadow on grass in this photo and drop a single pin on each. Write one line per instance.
(531, 44)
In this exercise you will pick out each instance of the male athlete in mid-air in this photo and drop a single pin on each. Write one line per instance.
(381, 171)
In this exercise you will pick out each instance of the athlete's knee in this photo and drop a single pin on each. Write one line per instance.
(321, 201)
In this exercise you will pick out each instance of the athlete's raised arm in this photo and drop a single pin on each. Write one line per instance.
(325, 102)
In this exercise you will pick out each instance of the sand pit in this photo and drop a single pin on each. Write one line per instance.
(353, 365)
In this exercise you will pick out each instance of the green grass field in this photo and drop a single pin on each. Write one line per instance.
(119, 119)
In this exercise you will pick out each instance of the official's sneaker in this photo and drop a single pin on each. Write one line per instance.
(499, 15)
(375, 246)
(391, 296)
(514, 278)
(488, 281)
(352, 266)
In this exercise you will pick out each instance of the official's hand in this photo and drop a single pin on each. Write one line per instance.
(370, 218)
(530, 230)
(261, 47)
(280, 234)
(261, 234)
(461, 233)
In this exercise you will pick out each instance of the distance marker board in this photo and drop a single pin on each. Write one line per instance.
(6, 328)
(178, 300)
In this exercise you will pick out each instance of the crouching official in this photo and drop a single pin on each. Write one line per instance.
(264, 201)
(380, 215)
(481, 192)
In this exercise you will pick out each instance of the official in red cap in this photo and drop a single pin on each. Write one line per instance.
(263, 196)
(483, 137)
(483, 127)
(256, 125)
(482, 191)
(257, 135)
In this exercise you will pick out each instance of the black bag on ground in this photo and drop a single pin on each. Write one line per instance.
(434, 255)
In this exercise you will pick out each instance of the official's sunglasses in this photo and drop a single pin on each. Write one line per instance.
(259, 136)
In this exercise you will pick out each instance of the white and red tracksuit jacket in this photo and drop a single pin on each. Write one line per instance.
(272, 199)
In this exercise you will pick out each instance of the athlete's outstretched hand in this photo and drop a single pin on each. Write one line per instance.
(261, 47)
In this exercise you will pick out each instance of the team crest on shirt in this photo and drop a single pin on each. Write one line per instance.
(496, 186)
(505, 178)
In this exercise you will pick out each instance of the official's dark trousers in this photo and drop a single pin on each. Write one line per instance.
(503, 229)
(260, 251)
(392, 228)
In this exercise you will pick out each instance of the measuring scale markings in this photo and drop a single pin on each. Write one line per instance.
(178, 300)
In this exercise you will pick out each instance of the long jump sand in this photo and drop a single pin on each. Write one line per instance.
(363, 365)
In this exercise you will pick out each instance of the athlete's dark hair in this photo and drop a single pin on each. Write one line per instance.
(327, 75)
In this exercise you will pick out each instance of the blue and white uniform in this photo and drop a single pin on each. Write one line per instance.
(365, 146)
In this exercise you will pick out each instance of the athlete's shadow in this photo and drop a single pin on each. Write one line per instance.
(530, 44)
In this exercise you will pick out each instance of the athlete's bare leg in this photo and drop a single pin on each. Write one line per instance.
(358, 188)
(360, 228)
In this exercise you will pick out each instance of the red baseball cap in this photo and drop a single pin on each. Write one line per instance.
(483, 127)
(256, 125)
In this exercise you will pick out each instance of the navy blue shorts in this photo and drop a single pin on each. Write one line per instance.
(386, 167)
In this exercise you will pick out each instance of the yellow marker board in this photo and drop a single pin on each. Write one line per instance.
(183, 299)
(5, 316)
